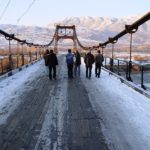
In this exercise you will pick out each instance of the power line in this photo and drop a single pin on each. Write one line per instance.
(5, 9)
(26, 11)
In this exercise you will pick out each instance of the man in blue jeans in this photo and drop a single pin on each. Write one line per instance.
(89, 60)
(70, 61)
(98, 63)
(52, 63)
(77, 63)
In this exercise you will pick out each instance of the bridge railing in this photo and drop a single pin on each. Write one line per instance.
(17, 61)
(117, 66)
(15, 53)
(145, 76)
(140, 72)
(126, 52)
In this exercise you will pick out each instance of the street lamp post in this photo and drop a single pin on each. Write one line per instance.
(30, 55)
(36, 52)
(17, 54)
(112, 41)
(102, 47)
(10, 53)
(130, 31)
(22, 53)
(18, 50)
(10, 56)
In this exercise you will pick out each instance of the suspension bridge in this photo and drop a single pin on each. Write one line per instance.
(76, 114)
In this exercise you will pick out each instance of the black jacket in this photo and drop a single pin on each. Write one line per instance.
(89, 59)
(99, 59)
(78, 59)
(52, 59)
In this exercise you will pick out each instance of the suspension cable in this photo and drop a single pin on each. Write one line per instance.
(26, 11)
(5, 9)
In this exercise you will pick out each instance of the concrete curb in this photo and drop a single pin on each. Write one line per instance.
(128, 83)
(10, 73)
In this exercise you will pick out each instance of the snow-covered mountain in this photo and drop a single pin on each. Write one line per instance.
(31, 33)
(95, 29)
(100, 28)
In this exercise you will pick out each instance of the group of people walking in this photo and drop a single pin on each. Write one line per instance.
(73, 61)
(89, 60)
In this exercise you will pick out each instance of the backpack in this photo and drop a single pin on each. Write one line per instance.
(69, 59)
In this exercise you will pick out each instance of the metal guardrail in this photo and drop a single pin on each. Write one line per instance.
(17, 61)
(17, 57)
(139, 73)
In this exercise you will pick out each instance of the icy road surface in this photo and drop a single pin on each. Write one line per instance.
(71, 114)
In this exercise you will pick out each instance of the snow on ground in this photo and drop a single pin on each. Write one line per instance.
(125, 113)
(54, 120)
(56, 111)
(13, 86)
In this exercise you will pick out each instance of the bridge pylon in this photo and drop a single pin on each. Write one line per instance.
(65, 32)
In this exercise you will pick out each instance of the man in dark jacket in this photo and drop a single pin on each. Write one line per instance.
(52, 62)
(77, 63)
(89, 60)
(98, 63)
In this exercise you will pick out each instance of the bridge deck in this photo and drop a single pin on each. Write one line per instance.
(61, 115)
(74, 124)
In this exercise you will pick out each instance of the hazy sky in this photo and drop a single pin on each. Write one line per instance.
(44, 12)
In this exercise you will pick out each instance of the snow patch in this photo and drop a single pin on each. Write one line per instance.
(125, 112)
(12, 87)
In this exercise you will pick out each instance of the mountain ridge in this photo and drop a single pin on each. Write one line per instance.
(94, 29)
